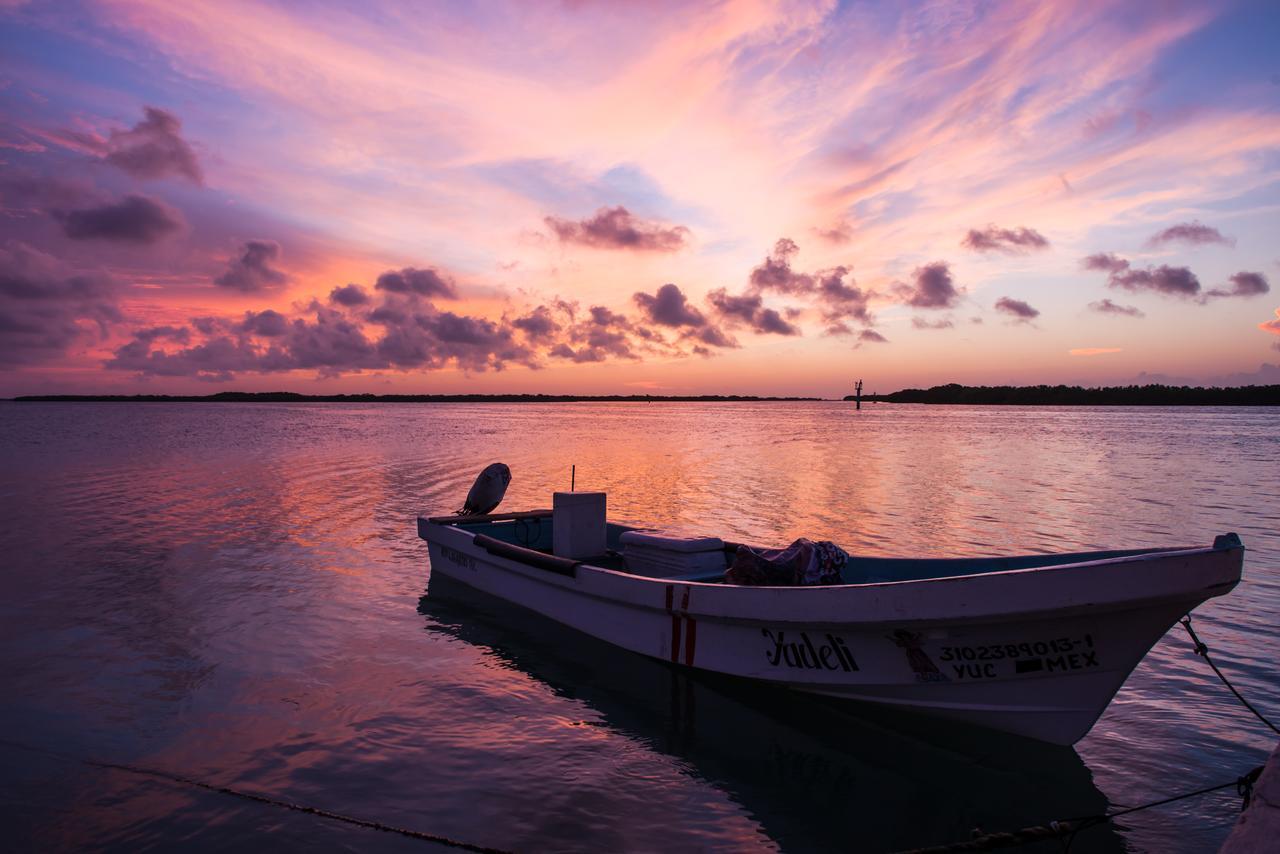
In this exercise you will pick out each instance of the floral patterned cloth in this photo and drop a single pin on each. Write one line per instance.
(802, 563)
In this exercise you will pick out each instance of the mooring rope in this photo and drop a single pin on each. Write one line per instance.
(1070, 827)
(980, 841)
(264, 799)
(1202, 650)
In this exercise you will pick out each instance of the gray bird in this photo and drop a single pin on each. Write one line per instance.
(486, 493)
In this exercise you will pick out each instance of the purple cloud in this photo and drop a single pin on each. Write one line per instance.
(601, 334)
(251, 271)
(1107, 262)
(669, 307)
(932, 287)
(43, 303)
(870, 335)
(136, 219)
(715, 337)
(840, 300)
(770, 321)
(742, 307)
(921, 323)
(1106, 306)
(617, 228)
(1193, 233)
(20, 189)
(1017, 309)
(269, 324)
(538, 324)
(1243, 284)
(775, 272)
(1170, 281)
(217, 360)
(1012, 241)
(330, 342)
(181, 334)
(423, 283)
(153, 148)
(349, 295)
(840, 232)
(749, 309)
(583, 354)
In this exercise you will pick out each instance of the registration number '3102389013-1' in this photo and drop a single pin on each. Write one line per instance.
(1039, 656)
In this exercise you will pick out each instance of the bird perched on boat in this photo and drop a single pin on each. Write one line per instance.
(486, 493)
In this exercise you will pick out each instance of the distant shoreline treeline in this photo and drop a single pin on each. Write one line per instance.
(1039, 395)
(1063, 395)
(292, 397)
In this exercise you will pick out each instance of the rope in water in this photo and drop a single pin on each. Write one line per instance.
(981, 841)
(1202, 650)
(1056, 829)
(265, 799)
(1069, 828)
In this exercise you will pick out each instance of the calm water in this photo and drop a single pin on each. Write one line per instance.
(236, 593)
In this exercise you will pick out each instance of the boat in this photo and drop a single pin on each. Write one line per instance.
(1035, 645)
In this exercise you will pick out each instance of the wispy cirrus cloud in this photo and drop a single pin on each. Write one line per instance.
(1106, 306)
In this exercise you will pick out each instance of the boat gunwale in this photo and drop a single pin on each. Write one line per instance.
(1138, 555)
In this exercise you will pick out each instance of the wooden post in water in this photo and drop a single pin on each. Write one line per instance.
(857, 395)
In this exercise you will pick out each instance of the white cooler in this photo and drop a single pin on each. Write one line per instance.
(659, 555)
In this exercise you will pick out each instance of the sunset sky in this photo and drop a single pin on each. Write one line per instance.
(581, 197)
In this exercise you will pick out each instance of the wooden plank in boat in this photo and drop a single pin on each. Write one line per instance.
(531, 557)
(454, 519)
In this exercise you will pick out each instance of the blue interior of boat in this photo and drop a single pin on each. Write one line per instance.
(534, 532)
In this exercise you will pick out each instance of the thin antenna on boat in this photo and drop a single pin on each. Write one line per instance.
(573, 476)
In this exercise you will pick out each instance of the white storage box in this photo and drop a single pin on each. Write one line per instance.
(577, 524)
(658, 555)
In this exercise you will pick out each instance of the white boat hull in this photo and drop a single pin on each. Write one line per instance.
(1036, 652)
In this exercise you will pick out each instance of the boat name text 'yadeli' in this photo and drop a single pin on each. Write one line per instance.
(804, 653)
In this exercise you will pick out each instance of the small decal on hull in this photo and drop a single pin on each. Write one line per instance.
(829, 652)
(455, 556)
(919, 661)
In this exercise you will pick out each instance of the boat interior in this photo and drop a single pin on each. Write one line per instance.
(528, 536)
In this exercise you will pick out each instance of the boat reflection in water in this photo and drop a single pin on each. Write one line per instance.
(815, 774)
